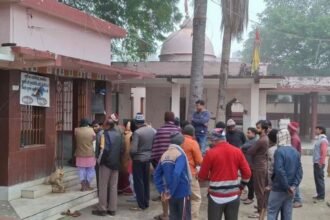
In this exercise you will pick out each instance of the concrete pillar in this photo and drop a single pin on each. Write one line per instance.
(254, 107)
(262, 104)
(175, 99)
(108, 98)
(305, 115)
(139, 96)
(296, 107)
(303, 111)
(187, 100)
(314, 97)
(124, 103)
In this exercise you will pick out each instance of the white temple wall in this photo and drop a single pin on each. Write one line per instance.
(158, 101)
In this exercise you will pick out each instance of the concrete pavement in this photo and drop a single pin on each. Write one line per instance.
(318, 211)
(7, 212)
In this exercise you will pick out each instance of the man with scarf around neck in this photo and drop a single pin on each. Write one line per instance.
(173, 179)
(221, 166)
(287, 175)
(319, 156)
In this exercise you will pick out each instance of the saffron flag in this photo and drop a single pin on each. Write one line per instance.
(256, 55)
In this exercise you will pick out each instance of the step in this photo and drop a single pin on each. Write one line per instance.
(51, 204)
(70, 179)
(76, 208)
(70, 170)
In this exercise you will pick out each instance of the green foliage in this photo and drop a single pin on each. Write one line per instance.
(295, 37)
(235, 14)
(146, 21)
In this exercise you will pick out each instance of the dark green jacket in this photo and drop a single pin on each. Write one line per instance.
(112, 150)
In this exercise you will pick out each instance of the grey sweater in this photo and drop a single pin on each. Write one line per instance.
(142, 143)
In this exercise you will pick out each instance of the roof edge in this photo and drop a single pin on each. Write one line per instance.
(75, 16)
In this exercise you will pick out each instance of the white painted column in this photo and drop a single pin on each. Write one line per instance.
(175, 99)
(139, 93)
(262, 104)
(254, 104)
(187, 88)
(124, 102)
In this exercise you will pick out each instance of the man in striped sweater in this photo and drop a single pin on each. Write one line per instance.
(220, 166)
(162, 141)
(162, 138)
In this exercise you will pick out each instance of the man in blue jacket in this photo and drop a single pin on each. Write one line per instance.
(200, 120)
(172, 179)
(286, 178)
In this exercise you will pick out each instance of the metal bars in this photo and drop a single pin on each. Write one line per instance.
(32, 125)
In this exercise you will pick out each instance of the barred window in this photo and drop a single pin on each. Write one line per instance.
(32, 125)
(64, 102)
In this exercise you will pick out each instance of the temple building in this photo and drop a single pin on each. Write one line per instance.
(169, 90)
(250, 98)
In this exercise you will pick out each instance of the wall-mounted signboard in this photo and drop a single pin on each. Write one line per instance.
(34, 90)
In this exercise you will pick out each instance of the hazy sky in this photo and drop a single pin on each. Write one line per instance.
(214, 20)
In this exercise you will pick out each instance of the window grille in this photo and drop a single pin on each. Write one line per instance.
(82, 101)
(32, 125)
(64, 102)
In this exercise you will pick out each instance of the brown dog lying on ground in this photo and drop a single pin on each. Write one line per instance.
(56, 181)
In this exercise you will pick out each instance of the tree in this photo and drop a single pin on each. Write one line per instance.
(295, 37)
(198, 48)
(147, 23)
(235, 15)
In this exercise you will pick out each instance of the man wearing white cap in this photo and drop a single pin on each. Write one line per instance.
(141, 146)
(234, 137)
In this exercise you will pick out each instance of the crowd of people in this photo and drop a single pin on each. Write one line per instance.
(263, 164)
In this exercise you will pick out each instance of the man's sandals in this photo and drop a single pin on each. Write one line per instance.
(72, 214)
(161, 217)
(254, 216)
(247, 202)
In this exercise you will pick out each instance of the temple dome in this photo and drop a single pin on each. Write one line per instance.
(178, 46)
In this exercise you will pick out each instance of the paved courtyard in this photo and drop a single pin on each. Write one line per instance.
(309, 210)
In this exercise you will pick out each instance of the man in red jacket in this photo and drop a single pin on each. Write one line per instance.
(220, 166)
(295, 139)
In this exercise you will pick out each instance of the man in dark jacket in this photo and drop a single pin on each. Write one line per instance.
(98, 129)
(111, 143)
(252, 139)
(286, 178)
(234, 137)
